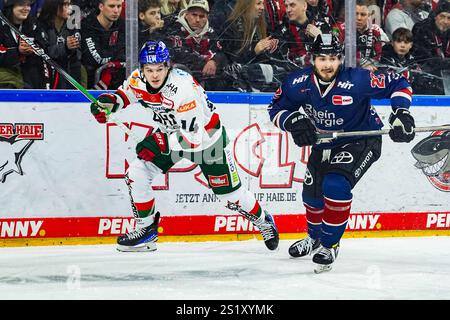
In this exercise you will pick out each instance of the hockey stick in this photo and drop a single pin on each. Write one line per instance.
(327, 137)
(41, 53)
(401, 69)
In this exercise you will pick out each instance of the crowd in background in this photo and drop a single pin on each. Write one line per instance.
(237, 45)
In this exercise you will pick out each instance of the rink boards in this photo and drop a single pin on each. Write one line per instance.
(61, 175)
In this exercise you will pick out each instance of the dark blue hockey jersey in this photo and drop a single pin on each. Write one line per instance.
(344, 106)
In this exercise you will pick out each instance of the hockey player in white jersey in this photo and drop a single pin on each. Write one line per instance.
(188, 128)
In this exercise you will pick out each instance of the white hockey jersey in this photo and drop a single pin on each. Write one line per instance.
(181, 109)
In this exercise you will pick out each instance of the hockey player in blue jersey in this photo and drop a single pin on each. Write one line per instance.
(328, 97)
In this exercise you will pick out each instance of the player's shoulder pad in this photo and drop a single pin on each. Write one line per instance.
(178, 73)
(181, 78)
(354, 75)
(179, 85)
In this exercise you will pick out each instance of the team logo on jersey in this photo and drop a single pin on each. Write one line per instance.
(432, 155)
(15, 141)
(169, 90)
(218, 181)
(377, 81)
(188, 106)
(342, 100)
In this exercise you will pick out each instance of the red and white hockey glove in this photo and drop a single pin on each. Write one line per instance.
(106, 103)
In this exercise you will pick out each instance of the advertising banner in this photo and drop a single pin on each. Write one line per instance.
(61, 175)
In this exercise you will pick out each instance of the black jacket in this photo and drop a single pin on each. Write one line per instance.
(34, 70)
(194, 53)
(69, 60)
(219, 13)
(100, 46)
(431, 47)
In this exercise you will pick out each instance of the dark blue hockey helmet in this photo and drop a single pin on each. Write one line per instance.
(326, 44)
(154, 52)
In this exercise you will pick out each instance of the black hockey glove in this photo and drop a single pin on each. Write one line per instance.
(402, 124)
(302, 129)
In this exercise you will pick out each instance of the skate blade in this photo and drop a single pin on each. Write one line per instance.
(322, 268)
(146, 247)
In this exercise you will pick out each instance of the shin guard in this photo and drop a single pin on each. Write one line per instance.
(334, 221)
(314, 221)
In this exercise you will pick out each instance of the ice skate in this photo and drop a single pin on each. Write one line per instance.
(140, 239)
(269, 231)
(304, 247)
(325, 257)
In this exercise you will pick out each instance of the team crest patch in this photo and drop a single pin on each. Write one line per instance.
(15, 141)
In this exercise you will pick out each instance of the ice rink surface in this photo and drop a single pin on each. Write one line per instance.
(371, 268)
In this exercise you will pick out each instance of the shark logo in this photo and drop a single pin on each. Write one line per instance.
(12, 152)
(432, 155)
(15, 141)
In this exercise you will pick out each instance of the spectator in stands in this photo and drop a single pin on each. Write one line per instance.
(103, 46)
(431, 43)
(275, 15)
(298, 33)
(319, 10)
(20, 67)
(150, 22)
(370, 37)
(219, 13)
(398, 52)
(257, 63)
(404, 14)
(63, 42)
(397, 57)
(195, 48)
(170, 10)
(275, 12)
